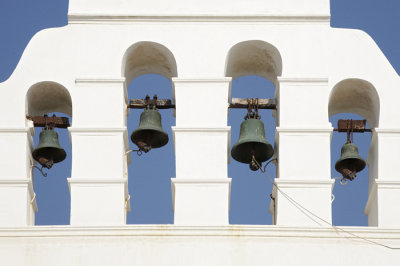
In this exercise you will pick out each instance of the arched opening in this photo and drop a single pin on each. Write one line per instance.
(353, 99)
(148, 68)
(52, 193)
(254, 67)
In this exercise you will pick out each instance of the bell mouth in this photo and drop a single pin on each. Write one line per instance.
(149, 137)
(49, 154)
(243, 152)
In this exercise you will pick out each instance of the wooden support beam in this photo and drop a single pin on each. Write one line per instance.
(53, 121)
(143, 103)
(262, 103)
(358, 126)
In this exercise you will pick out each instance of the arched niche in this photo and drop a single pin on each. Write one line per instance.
(353, 99)
(52, 193)
(254, 66)
(254, 57)
(48, 96)
(148, 58)
(148, 68)
(355, 96)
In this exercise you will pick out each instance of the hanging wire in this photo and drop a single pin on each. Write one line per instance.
(40, 170)
(138, 152)
(309, 213)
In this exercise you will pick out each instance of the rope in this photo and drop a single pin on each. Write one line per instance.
(310, 213)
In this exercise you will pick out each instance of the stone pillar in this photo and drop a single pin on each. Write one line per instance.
(98, 182)
(384, 181)
(201, 189)
(17, 199)
(303, 151)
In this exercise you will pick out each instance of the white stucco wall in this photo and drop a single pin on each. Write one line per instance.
(200, 48)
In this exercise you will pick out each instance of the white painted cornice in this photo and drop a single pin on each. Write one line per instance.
(85, 181)
(222, 180)
(97, 130)
(99, 80)
(200, 181)
(304, 129)
(386, 130)
(228, 18)
(201, 129)
(380, 184)
(165, 230)
(202, 80)
(296, 183)
(303, 81)
(21, 182)
(15, 130)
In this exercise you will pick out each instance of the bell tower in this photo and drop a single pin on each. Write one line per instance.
(200, 47)
(83, 69)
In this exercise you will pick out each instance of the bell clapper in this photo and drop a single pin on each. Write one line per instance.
(254, 165)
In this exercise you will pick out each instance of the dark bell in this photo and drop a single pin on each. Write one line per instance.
(350, 162)
(49, 151)
(149, 134)
(251, 142)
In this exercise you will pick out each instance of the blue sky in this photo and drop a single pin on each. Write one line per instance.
(149, 186)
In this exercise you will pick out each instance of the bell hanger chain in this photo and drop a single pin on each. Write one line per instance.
(350, 131)
(252, 104)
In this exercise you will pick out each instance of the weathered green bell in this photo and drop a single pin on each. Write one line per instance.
(49, 151)
(350, 162)
(149, 134)
(251, 142)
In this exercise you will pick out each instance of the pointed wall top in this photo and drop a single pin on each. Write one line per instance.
(199, 8)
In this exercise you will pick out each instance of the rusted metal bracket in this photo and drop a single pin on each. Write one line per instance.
(147, 102)
(346, 125)
(49, 121)
(244, 103)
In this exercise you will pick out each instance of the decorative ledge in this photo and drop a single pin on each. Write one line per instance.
(304, 81)
(91, 130)
(201, 129)
(202, 80)
(99, 80)
(304, 129)
(166, 230)
(126, 19)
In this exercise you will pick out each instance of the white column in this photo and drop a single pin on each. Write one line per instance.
(384, 181)
(303, 151)
(98, 182)
(201, 189)
(17, 198)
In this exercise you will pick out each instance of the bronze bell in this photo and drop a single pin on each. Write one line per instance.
(252, 142)
(149, 134)
(350, 162)
(49, 151)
